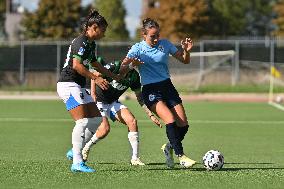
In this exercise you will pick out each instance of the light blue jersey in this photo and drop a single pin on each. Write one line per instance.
(156, 59)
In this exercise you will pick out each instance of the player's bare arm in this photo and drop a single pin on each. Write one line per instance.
(80, 68)
(93, 90)
(98, 81)
(105, 71)
(184, 55)
(128, 64)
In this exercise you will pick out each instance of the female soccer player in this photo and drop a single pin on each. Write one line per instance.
(110, 107)
(71, 85)
(159, 94)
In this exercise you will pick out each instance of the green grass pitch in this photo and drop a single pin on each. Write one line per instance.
(35, 135)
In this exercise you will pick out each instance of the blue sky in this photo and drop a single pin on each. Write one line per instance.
(133, 8)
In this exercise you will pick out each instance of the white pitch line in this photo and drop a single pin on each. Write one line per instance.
(145, 121)
(237, 122)
(18, 119)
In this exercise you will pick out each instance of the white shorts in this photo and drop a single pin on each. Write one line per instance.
(110, 110)
(73, 95)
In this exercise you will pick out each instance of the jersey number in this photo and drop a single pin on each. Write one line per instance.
(117, 85)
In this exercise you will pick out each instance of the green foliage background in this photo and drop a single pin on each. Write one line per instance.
(53, 20)
(114, 12)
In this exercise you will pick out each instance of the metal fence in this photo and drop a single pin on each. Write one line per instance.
(38, 64)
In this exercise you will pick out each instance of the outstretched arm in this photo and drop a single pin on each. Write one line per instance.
(184, 55)
(105, 71)
(149, 113)
(80, 68)
(128, 64)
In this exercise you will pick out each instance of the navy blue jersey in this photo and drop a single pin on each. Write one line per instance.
(82, 50)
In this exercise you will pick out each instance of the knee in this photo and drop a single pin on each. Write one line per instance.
(182, 123)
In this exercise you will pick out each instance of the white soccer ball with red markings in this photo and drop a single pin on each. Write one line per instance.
(213, 160)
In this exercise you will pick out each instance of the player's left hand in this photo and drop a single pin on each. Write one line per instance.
(156, 121)
(186, 44)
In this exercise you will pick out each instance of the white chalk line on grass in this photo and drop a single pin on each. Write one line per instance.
(145, 121)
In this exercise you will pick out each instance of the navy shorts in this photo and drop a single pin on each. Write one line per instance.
(161, 91)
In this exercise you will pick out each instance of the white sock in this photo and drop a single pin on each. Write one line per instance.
(92, 126)
(133, 138)
(92, 142)
(88, 136)
(78, 135)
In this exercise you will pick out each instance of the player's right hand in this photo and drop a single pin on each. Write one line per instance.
(134, 61)
(102, 83)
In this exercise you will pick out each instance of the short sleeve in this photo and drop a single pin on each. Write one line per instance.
(78, 48)
(172, 48)
(134, 51)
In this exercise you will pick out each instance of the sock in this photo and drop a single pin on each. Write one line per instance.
(78, 137)
(92, 126)
(88, 136)
(92, 142)
(133, 138)
(182, 132)
(174, 138)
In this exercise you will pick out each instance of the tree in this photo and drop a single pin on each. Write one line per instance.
(259, 18)
(212, 17)
(279, 20)
(53, 20)
(227, 17)
(114, 12)
(2, 18)
(241, 17)
(179, 18)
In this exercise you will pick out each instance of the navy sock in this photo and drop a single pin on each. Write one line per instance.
(174, 138)
(182, 132)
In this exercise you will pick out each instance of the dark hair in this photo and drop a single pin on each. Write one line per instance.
(149, 23)
(94, 17)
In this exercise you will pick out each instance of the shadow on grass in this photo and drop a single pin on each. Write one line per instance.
(248, 163)
(162, 167)
(201, 169)
(105, 163)
(164, 163)
(240, 169)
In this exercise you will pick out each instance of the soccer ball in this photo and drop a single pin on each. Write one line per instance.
(213, 160)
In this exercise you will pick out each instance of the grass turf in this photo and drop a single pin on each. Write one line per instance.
(35, 136)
